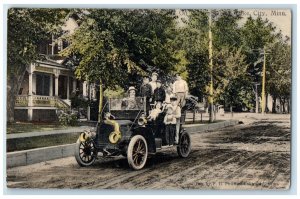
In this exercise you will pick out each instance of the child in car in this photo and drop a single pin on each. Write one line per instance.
(170, 125)
(155, 112)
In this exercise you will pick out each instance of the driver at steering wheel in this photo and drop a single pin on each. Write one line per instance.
(130, 103)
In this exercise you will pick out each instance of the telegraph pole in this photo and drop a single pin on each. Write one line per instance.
(263, 98)
(211, 102)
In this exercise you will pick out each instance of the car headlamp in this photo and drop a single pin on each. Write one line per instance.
(142, 121)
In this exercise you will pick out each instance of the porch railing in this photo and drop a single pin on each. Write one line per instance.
(41, 101)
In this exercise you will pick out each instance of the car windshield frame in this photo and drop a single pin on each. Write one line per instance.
(126, 103)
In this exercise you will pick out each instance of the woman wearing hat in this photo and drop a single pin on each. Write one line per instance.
(130, 102)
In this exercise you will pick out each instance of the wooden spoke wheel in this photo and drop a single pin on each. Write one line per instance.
(85, 153)
(137, 152)
(184, 146)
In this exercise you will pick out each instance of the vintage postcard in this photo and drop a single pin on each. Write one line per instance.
(151, 99)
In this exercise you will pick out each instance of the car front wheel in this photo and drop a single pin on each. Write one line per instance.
(85, 153)
(137, 152)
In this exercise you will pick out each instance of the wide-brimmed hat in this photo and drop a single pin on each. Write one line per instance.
(155, 73)
(131, 88)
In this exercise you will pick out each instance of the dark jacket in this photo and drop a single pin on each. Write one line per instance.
(159, 94)
(146, 90)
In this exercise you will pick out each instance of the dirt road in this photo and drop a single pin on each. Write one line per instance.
(253, 155)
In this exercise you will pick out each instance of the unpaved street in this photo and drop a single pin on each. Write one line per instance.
(252, 155)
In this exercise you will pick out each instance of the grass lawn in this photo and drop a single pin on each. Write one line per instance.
(18, 144)
(24, 127)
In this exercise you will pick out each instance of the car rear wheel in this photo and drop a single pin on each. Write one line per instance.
(137, 152)
(184, 146)
(85, 153)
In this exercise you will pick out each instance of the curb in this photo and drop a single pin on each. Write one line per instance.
(196, 128)
(26, 157)
(31, 156)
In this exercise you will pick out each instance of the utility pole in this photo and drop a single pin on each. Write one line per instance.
(256, 98)
(263, 98)
(211, 102)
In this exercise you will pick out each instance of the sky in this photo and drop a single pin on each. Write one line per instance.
(280, 17)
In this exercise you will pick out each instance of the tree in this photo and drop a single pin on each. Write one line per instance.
(232, 83)
(115, 46)
(279, 73)
(256, 35)
(26, 28)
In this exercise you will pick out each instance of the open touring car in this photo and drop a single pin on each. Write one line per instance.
(128, 133)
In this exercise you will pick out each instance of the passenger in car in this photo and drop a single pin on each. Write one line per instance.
(170, 126)
(130, 102)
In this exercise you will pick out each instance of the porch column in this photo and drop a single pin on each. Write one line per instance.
(51, 85)
(68, 87)
(30, 98)
(84, 93)
(56, 84)
(30, 101)
(30, 84)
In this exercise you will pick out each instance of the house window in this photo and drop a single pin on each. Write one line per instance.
(42, 84)
(44, 47)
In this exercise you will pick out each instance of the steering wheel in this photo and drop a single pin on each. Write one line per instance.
(112, 116)
(108, 115)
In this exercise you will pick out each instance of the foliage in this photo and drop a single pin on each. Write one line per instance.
(114, 93)
(67, 118)
(26, 28)
(79, 102)
(111, 44)
(279, 68)
(115, 47)
(231, 78)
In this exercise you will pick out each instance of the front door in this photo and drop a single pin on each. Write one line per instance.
(42, 84)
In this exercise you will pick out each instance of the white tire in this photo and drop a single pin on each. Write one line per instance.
(137, 152)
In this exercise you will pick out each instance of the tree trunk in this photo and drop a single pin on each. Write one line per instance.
(100, 101)
(274, 105)
(288, 106)
(14, 80)
(283, 105)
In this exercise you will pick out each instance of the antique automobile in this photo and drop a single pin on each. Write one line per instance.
(125, 130)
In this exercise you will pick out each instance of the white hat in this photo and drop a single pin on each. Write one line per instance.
(131, 88)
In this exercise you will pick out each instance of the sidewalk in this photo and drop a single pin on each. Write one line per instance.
(44, 133)
(31, 156)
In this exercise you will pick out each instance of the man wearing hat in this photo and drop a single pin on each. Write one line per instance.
(130, 103)
(177, 115)
(180, 89)
(146, 91)
(159, 94)
(153, 81)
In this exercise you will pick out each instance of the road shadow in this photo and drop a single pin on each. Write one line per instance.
(257, 133)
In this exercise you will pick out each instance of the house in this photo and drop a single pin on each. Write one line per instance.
(48, 84)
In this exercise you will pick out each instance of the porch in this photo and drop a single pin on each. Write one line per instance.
(46, 88)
